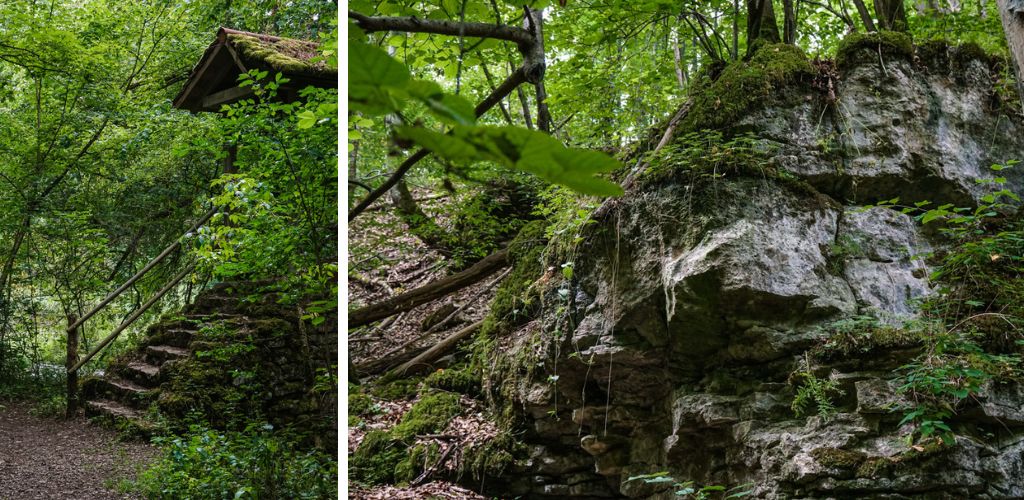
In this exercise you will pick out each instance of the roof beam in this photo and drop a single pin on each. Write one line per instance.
(226, 96)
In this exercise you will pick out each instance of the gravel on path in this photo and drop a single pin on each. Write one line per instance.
(47, 458)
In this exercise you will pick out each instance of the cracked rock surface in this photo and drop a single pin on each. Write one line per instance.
(693, 305)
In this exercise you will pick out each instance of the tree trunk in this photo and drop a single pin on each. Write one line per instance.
(533, 21)
(680, 76)
(1012, 14)
(735, 29)
(891, 14)
(420, 224)
(789, 22)
(865, 16)
(761, 23)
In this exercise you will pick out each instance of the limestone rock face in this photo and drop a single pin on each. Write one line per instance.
(693, 303)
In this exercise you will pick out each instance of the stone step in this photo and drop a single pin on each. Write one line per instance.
(159, 354)
(215, 316)
(117, 389)
(174, 337)
(119, 416)
(209, 304)
(142, 373)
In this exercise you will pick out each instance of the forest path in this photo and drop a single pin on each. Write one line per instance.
(47, 458)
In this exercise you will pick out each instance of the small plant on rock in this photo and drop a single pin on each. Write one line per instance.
(813, 392)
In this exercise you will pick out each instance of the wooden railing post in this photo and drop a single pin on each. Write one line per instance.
(72, 360)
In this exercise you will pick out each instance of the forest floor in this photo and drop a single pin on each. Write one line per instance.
(400, 263)
(48, 458)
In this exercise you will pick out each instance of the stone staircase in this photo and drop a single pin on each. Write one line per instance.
(234, 353)
(122, 396)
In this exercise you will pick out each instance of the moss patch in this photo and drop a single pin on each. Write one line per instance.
(461, 380)
(376, 459)
(430, 414)
(515, 296)
(494, 457)
(837, 458)
(395, 389)
(859, 46)
(858, 337)
(286, 55)
(874, 467)
(745, 84)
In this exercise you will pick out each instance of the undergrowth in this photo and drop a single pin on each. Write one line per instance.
(970, 334)
(257, 463)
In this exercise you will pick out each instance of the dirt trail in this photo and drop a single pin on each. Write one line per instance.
(45, 458)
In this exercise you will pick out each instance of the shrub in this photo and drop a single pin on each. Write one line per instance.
(257, 463)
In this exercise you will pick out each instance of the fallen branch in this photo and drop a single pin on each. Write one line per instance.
(444, 456)
(448, 318)
(430, 355)
(429, 292)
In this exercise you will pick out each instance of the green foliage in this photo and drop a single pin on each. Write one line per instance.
(688, 489)
(845, 247)
(378, 84)
(813, 393)
(257, 463)
(973, 337)
(952, 370)
(710, 154)
(282, 215)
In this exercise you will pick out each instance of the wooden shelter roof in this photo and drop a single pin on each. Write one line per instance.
(214, 79)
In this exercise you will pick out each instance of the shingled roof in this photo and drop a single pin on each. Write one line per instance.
(214, 79)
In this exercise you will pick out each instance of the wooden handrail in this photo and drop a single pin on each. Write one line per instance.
(135, 315)
(131, 281)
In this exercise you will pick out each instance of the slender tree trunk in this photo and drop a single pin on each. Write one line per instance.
(865, 15)
(891, 14)
(419, 223)
(677, 52)
(789, 22)
(735, 29)
(761, 23)
(533, 21)
(1012, 15)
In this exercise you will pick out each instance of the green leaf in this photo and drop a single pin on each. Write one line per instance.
(452, 109)
(449, 147)
(307, 119)
(372, 76)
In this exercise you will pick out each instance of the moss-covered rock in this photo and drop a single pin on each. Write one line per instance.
(857, 46)
(838, 458)
(376, 459)
(874, 467)
(461, 380)
(744, 84)
(396, 388)
(495, 457)
(430, 414)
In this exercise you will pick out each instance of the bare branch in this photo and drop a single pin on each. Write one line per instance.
(514, 80)
(439, 27)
